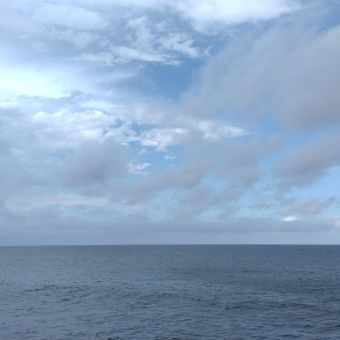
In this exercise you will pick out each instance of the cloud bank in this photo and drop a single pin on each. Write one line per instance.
(169, 122)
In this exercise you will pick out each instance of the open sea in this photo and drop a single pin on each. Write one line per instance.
(170, 292)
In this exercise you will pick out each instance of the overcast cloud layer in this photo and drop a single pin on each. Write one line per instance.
(154, 121)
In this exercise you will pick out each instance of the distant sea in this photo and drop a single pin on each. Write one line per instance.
(170, 292)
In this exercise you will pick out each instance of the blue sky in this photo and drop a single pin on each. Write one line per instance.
(169, 122)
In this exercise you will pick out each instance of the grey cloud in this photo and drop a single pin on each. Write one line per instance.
(312, 99)
(65, 147)
(238, 160)
(22, 164)
(289, 73)
(196, 201)
(94, 164)
(309, 162)
(14, 172)
(185, 177)
(261, 225)
(55, 227)
(78, 116)
(234, 162)
(310, 206)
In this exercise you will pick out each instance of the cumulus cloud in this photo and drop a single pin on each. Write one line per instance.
(288, 74)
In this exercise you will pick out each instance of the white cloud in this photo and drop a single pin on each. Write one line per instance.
(290, 218)
(161, 138)
(215, 131)
(126, 54)
(154, 42)
(169, 157)
(69, 129)
(204, 13)
(137, 168)
(32, 79)
(179, 42)
(113, 32)
(8, 104)
(28, 82)
(145, 41)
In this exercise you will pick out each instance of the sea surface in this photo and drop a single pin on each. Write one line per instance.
(170, 292)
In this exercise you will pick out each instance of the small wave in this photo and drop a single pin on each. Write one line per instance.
(258, 304)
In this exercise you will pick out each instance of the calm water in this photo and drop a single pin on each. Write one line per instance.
(170, 292)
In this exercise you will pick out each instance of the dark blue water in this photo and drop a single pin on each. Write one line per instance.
(170, 292)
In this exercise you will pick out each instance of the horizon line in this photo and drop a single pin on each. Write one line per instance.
(168, 244)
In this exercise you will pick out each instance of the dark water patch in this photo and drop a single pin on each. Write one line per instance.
(173, 292)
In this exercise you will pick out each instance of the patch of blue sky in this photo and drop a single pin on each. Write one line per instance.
(170, 80)
(327, 186)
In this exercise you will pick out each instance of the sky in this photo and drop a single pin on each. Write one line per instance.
(169, 122)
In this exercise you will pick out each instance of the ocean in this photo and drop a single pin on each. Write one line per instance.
(170, 292)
